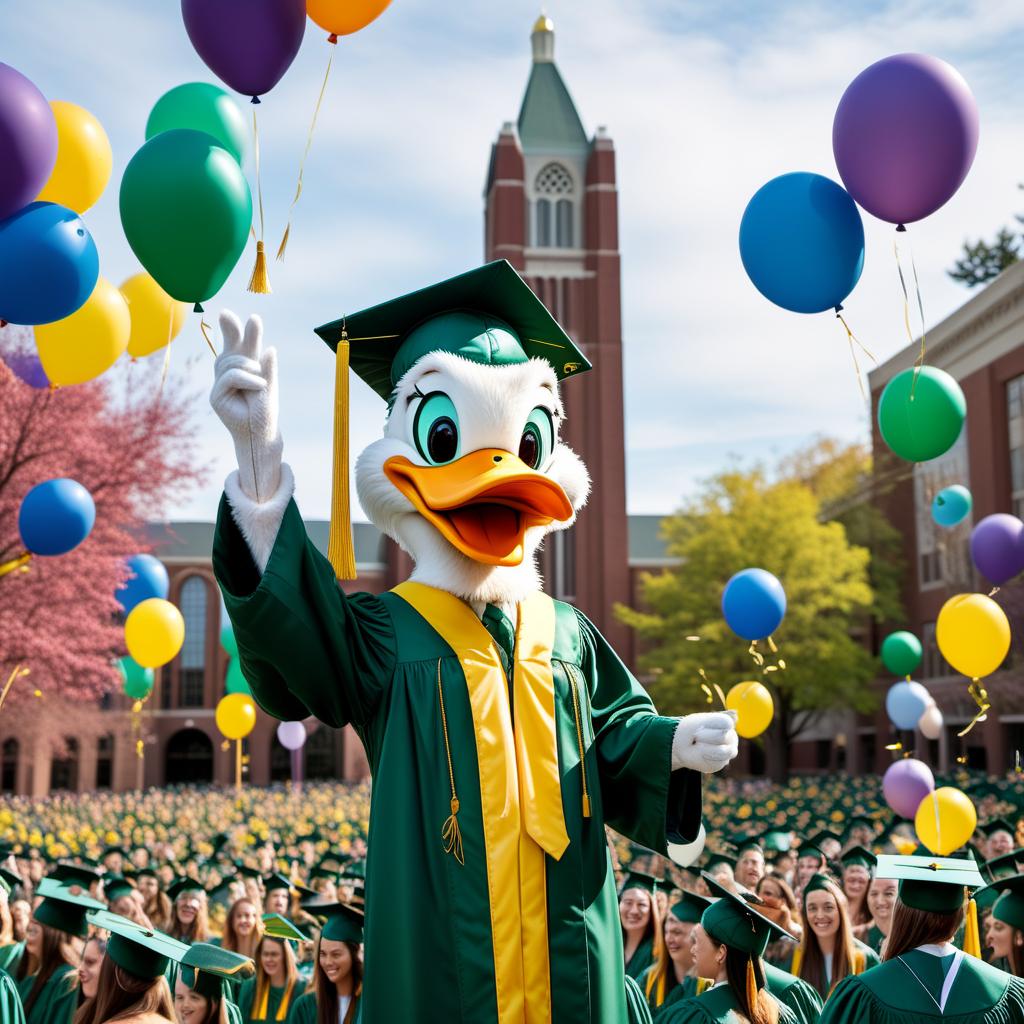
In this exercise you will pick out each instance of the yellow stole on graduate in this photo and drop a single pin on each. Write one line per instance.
(520, 788)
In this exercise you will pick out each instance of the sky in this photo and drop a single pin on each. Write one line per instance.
(705, 102)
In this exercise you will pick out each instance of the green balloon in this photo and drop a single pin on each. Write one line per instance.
(235, 681)
(920, 421)
(138, 681)
(205, 108)
(901, 653)
(186, 211)
(228, 641)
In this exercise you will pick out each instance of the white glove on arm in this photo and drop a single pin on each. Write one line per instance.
(705, 742)
(244, 397)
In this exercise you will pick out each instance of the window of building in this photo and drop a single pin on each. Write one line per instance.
(563, 565)
(104, 761)
(555, 213)
(192, 663)
(64, 769)
(823, 754)
(868, 748)
(1015, 425)
(933, 664)
(320, 759)
(9, 765)
(543, 237)
(563, 224)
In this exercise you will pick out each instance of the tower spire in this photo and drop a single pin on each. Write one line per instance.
(543, 40)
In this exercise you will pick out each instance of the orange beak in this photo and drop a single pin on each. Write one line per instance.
(483, 503)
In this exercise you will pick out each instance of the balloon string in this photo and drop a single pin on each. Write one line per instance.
(302, 163)
(205, 327)
(854, 340)
(15, 564)
(17, 673)
(919, 362)
(980, 696)
(259, 282)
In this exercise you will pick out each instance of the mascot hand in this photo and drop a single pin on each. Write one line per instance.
(705, 742)
(244, 396)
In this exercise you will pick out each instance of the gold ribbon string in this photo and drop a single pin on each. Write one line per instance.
(16, 674)
(19, 564)
(854, 340)
(259, 282)
(451, 836)
(980, 697)
(204, 327)
(919, 362)
(302, 163)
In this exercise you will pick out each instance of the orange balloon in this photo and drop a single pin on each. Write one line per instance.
(343, 17)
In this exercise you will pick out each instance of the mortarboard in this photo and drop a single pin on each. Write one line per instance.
(858, 856)
(638, 880)
(64, 906)
(184, 885)
(142, 952)
(1009, 907)
(344, 923)
(278, 927)
(205, 967)
(690, 908)
(934, 884)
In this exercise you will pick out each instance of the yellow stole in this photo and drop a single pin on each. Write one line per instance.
(520, 788)
(263, 997)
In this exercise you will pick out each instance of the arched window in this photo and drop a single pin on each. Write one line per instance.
(64, 770)
(9, 765)
(192, 667)
(554, 209)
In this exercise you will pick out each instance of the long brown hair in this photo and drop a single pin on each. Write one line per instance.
(198, 931)
(120, 995)
(327, 992)
(55, 948)
(159, 910)
(812, 960)
(230, 939)
(912, 928)
(653, 929)
(765, 1010)
(291, 971)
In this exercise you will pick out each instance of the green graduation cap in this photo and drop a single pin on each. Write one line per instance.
(489, 315)
(343, 922)
(278, 927)
(858, 856)
(639, 880)
(9, 880)
(857, 821)
(80, 874)
(276, 881)
(735, 922)
(715, 859)
(142, 952)
(115, 886)
(64, 906)
(1009, 906)
(355, 871)
(935, 884)
(990, 828)
(775, 840)
(1006, 865)
(183, 885)
(690, 908)
(205, 968)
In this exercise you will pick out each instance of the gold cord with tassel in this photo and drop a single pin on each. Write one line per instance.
(340, 546)
(972, 936)
(19, 564)
(751, 986)
(259, 282)
(451, 835)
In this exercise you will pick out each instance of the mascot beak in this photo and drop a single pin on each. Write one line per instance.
(482, 503)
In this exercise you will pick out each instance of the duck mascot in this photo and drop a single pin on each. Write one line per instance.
(503, 733)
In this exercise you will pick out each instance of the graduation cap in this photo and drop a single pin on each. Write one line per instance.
(142, 952)
(817, 883)
(1008, 906)
(857, 821)
(205, 968)
(690, 908)
(775, 840)
(9, 880)
(64, 906)
(990, 828)
(109, 850)
(734, 921)
(715, 859)
(115, 886)
(934, 884)
(858, 856)
(344, 923)
(276, 881)
(184, 885)
(80, 874)
(639, 880)
(278, 927)
(245, 871)
(1006, 864)
(489, 315)
(746, 842)
(355, 870)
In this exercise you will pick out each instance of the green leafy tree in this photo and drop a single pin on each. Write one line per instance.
(982, 261)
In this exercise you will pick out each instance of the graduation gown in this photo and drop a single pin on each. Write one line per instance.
(641, 959)
(379, 664)
(864, 959)
(689, 986)
(10, 956)
(11, 1011)
(637, 1011)
(793, 992)
(57, 1002)
(718, 1005)
(247, 1001)
(891, 994)
(874, 938)
(305, 1009)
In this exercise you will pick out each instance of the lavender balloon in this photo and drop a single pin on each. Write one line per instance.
(997, 547)
(28, 141)
(28, 369)
(904, 136)
(291, 734)
(905, 784)
(248, 44)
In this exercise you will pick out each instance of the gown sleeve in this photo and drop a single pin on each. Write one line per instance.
(245, 997)
(642, 797)
(304, 1010)
(304, 646)
(851, 1002)
(803, 1000)
(637, 1010)
(10, 1002)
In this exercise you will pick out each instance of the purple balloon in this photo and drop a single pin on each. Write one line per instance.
(27, 368)
(997, 547)
(905, 784)
(291, 734)
(28, 141)
(904, 136)
(248, 44)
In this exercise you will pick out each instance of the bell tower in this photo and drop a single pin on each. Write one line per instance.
(551, 210)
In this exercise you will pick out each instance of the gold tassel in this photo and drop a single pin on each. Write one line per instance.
(586, 805)
(258, 283)
(972, 937)
(340, 547)
(451, 834)
(19, 564)
(751, 986)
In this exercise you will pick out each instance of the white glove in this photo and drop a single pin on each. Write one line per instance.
(244, 396)
(705, 742)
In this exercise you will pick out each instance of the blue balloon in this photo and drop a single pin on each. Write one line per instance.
(48, 264)
(802, 242)
(905, 703)
(952, 505)
(55, 517)
(149, 579)
(753, 604)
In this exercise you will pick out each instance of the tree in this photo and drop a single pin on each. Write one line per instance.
(743, 519)
(135, 454)
(982, 261)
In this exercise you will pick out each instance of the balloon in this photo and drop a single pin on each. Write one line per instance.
(249, 44)
(905, 784)
(228, 641)
(148, 578)
(952, 505)
(204, 107)
(154, 632)
(186, 211)
(997, 547)
(48, 264)
(236, 716)
(685, 854)
(28, 141)
(802, 242)
(291, 734)
(138, 681)
(28, 369)
(55, 517)
(235, 681)
(89, 342)
(157, 319)
(973, 634)
(904, 136)
(931, 722)
(926, 426)
(754, 708)
(905, 703)
(945, 820)
(84, 159)
(901, 653)
(343, 17)
(753, 604)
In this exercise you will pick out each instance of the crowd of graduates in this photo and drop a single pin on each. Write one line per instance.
(210, 905)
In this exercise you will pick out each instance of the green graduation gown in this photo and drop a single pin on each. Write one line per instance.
(305, 1010)
(717, 1005)
(637, 1010)
(870, 959)
(247, 999)
(11, 1011)
(641, 959)
(307, 648)
(58, 1000)
(793, 992)
(10, 957)
(680, 990)
(874, 938)
(890, 993)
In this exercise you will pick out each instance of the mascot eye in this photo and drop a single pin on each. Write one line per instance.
(538, 438)
(436, 428)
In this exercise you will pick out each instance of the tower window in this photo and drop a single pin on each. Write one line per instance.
(552, 186)
(544, 222)
(563, 223)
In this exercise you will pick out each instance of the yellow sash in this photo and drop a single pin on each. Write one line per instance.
(520, 788)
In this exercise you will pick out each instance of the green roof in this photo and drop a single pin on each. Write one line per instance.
(548, 121)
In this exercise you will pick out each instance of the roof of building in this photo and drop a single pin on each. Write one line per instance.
(548, 120)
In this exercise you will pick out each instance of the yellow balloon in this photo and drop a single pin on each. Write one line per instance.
(236, 716)
(87, 343)
(154, 632)
(753, 706)
(945, 820)
(973, 634)
(156, 318)
(343, 17)
(84, 159)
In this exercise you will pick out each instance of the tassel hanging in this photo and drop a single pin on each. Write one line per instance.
(972, 936)
(340, 546)
(751, 986)
(259, 282)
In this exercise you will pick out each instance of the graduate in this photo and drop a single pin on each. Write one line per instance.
(881, 901)
(1000, 838)
(924, 976)
(810, 861)
(858, 865)
(750, 864)
(89, 966)
(672, 976)
(202, 987)
(338, 973)
(1005, 932)
(277, 895)
(502, 730)
(779, 905)
(155, 903)
(641, 922)
(10, 949)
(272, 993)
(190, 914)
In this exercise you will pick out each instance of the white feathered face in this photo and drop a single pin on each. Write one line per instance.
(470, 475)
